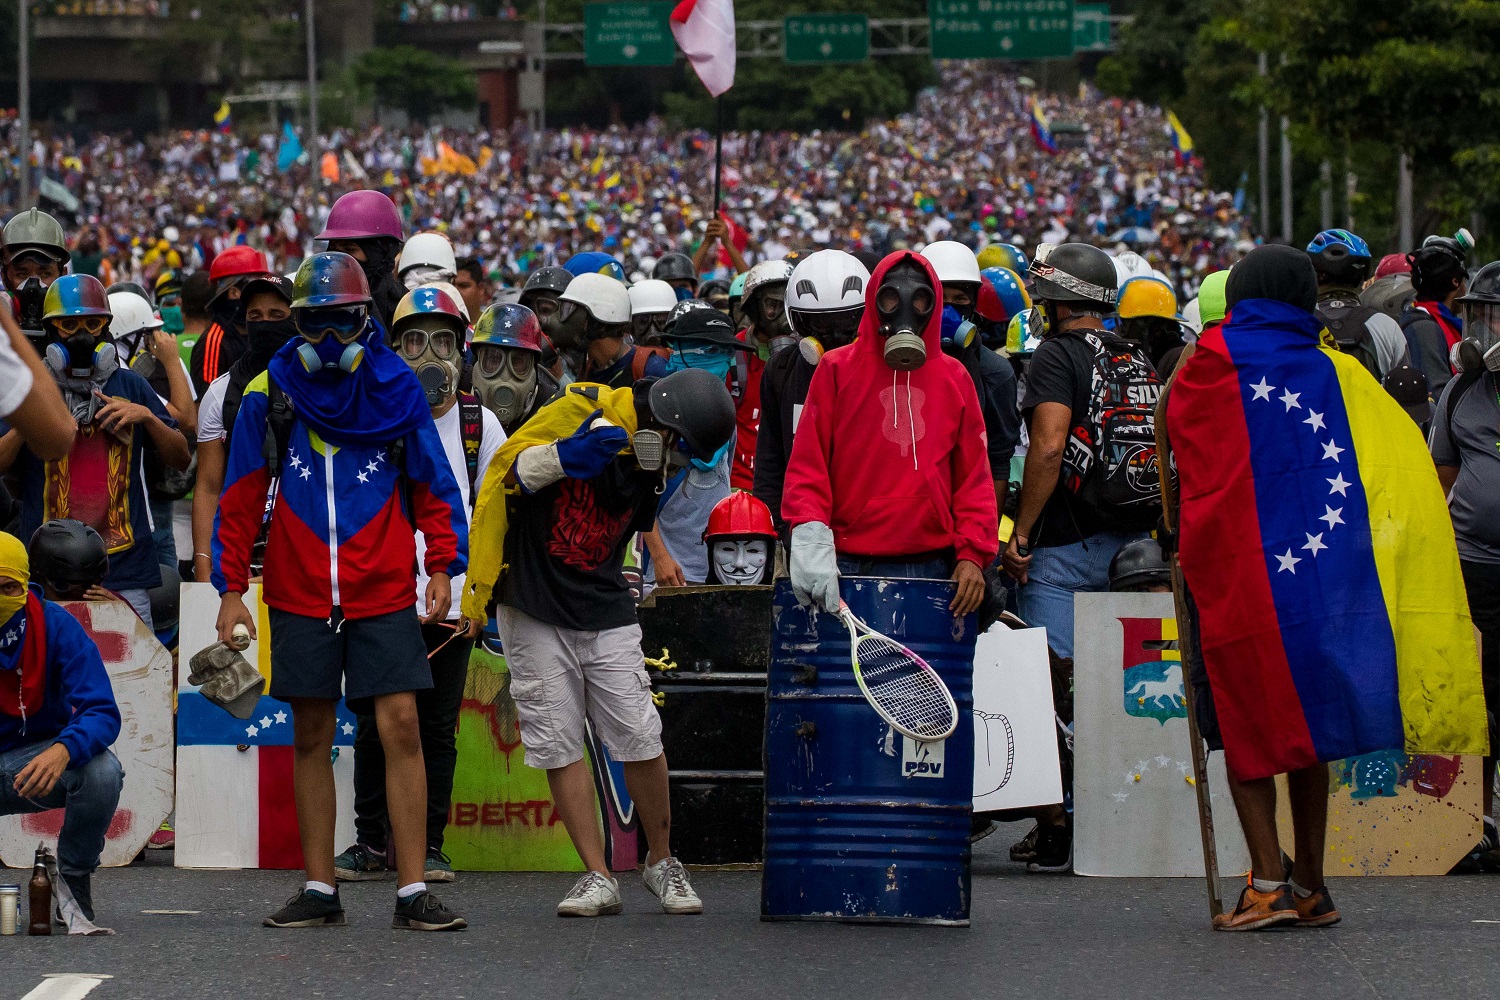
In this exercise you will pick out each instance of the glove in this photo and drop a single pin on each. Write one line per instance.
(588, 452)
(814, 566)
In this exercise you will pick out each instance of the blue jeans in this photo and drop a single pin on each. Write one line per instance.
(1060, 571)
(88, 794)
(932, 569)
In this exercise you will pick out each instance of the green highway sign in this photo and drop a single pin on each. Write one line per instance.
(1002, 29)
(1091, 28)
(826, 38)
(628, 34)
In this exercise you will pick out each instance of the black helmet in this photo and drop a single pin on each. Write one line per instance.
(1434, 268)
(680, 310)
(694, 403)
(1486, 285)
(1140, 563)
(67, 556)
(713, 287)
(165, 600)
(1076, 272)
(675, 267)
(546, 279)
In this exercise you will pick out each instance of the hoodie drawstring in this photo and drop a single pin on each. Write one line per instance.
(911, 419)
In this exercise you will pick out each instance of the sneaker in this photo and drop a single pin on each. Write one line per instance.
(164, 839)
(1316, 910)
(438, 867)
(308, 909)
(594, 895)
(1054, 851)
(1024, 850)
(360, 864)
(1484, 858)
(1258, 910)
(83, 893)
(423, 912)
(668, 881)
(981, 827)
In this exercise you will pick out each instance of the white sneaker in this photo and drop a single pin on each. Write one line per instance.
(668, 881)
(593, 895)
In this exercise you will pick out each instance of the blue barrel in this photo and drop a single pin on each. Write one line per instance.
(863, 824)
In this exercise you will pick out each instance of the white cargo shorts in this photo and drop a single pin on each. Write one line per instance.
(559, 676)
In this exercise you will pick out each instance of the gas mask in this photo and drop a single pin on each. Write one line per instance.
(740, 562)
(424, 274)
(574, 326)
(505, 381)
(904, 304)
(548, 313)
(330, 338)
(430, 346)
(30, 298)
(822, 332)
(81, 349)
(770, 318)
(957, 332)
(1480, 347)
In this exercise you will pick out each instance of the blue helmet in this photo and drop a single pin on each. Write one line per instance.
(594, 262)
(1340, 257)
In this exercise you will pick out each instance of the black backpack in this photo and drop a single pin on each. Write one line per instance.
(1346, 320)
(1112, 455)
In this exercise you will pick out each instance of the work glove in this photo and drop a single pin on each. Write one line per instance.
(814, 566)
(589, 451)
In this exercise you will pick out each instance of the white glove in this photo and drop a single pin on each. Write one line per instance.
(814, 566)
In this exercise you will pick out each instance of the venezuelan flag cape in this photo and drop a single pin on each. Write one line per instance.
(1318, 548)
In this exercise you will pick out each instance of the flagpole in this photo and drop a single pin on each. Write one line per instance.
(718, 149)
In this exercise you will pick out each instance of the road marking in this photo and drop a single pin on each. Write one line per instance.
(66, 986)
(1484, 921)
(171, 913)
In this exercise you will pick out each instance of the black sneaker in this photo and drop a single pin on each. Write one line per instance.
(1024, 850)
(1484, 859)
(981, 827)
(308, 909)
(1054, 850)
(438, 868)
(83, 893)
(424, 912)
(360, 864)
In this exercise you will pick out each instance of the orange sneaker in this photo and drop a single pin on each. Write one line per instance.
(1258, 910)
(1316, 910)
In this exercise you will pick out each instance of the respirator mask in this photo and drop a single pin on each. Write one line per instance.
(505, 380)
(823, 331)
(81, 349)
(771, 319)
(430, 348)
(904, 303)
(548, 309)
(331, 338)
(1480, 347)
(30, 298)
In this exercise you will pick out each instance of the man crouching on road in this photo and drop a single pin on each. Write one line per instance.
(563, 497)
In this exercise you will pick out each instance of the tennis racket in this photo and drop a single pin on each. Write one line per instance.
(898, 684)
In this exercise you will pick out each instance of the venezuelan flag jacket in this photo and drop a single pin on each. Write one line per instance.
(340, 534)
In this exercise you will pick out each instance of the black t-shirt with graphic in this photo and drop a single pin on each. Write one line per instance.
(1062, 371)
(566, 547)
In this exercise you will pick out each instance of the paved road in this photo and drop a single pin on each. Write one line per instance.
(1033, 936)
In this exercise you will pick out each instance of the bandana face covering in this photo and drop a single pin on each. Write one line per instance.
(14, 565)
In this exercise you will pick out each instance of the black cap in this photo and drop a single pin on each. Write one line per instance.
(708, 325)
(1408, 386)
(267, 283)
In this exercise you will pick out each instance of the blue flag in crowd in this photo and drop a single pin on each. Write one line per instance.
(290, 150)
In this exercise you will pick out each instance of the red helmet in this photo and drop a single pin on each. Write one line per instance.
(238, 262)
(740, 515)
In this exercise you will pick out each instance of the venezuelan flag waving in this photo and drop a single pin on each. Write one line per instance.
(1318, 548)
(1041, 129)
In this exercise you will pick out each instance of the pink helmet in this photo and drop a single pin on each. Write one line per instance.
(361, 215)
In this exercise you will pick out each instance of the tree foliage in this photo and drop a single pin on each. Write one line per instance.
(416, 81)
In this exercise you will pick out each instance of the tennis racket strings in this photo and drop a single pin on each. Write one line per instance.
(900, 686)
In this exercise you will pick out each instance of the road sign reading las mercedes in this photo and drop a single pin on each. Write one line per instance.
(1002, 29)
(628, 34)
(826, 38)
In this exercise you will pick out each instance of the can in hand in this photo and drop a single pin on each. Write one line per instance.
(10, 909)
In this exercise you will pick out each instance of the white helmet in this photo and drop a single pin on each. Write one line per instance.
(767, 272)
(603, 297)
(1130, 265)
(131, 314)
(651, 296)
(430, 249)
(953, 262)
(1192, 315)
(827, 281)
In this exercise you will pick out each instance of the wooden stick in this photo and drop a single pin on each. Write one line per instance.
(1187, 646)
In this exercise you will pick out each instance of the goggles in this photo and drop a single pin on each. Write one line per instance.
(345, 323)
(842, 325)
(544, 305)
(491, 360)
(68, 326)
(771, 305)
(413, 342)
(648, 323)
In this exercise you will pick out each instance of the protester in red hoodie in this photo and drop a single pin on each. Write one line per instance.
(889, 475)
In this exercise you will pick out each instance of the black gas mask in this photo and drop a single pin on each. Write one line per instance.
(30, 298)
(904, 305)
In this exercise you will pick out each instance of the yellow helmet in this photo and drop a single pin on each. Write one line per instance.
(1147, 296)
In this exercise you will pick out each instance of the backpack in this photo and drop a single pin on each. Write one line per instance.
(1112, 454)
(1346, 321)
